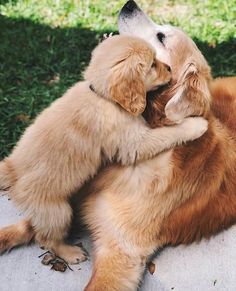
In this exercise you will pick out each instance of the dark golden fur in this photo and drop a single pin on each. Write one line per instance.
(97, 120)
(177, 197)
(210, 163)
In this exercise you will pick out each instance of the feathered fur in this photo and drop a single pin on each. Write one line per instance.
(96, 120)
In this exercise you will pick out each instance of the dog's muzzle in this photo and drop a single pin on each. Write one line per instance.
(132, 19)
(129, 7)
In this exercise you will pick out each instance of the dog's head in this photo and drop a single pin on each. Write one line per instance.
(189, 94)
(123, 69)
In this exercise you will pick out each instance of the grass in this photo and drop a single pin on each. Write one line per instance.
(46, 44)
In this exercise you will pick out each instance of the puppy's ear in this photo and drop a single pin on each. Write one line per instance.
(192, 95)
(126, 86)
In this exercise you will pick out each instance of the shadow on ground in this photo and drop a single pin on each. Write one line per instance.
(38, 63)
(2, 2)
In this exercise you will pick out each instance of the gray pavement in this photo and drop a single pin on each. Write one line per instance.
(207, 266)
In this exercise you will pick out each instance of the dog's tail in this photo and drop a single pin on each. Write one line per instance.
(16, 234)
(6, 175)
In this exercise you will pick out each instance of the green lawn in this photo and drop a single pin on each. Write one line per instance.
(45, 45)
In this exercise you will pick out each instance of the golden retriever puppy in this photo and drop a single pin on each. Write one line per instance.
(177, 197)
(97, 119)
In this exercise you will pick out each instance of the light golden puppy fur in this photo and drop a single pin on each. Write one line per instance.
(96, 120)
(177, 197)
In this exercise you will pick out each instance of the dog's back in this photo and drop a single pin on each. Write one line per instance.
(209, 166)
(223, 91)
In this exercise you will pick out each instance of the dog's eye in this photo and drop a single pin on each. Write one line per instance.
(154, 64)
(161, 37)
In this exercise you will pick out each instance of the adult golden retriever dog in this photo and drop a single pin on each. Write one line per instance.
(177, 197)
(97, 119)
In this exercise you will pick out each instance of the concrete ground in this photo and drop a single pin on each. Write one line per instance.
(207, 266)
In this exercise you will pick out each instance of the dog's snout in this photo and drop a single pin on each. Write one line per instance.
(129, 7)
(168, 68)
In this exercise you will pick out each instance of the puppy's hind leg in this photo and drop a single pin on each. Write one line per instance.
(7, 174)
(16, 234)
(51, 224)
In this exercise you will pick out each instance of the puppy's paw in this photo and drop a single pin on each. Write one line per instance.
(177, 109)
(7, 239)
(72, 254)
(174, 115)
(194, 127)
(15, 235)
(5, 244)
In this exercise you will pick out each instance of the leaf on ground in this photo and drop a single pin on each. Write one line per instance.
(59, 266)
(22, 117)
(48, 259)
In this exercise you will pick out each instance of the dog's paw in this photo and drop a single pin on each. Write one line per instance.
(177, 109)
(5, 245)
(72, 254)
(8, 239)
(174, 115)
(194, 127)
(15, 235)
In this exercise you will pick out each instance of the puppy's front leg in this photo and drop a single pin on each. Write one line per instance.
(147, 143)
(178, 108)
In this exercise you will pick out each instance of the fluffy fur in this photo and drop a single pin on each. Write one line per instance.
(177, 197)
(98, 119)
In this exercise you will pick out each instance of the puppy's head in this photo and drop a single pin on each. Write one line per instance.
(189, 94)
(123, 69)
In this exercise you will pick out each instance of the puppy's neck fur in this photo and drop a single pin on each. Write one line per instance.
(101, 95)
(92, 88)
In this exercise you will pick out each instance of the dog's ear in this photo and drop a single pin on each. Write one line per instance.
(192, 95)
(126, 86)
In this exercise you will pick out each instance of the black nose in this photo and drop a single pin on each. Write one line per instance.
(168, 68)
(129, 7)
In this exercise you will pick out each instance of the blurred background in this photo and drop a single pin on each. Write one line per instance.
(45, 45)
